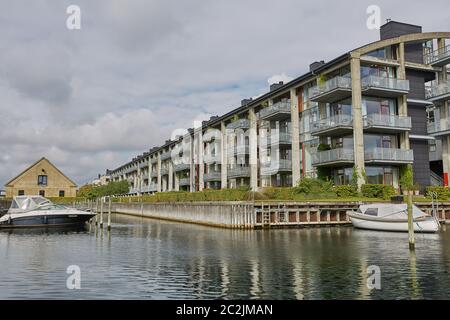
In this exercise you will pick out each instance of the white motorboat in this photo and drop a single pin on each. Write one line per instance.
(391, 217)
(37, 211)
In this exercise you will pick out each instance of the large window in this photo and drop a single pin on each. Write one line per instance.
(371, 105)
(42, 180)
(380, 175)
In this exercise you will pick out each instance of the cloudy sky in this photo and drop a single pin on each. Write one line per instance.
(91, 99)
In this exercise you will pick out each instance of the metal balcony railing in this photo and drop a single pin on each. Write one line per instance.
(387, 121)
(438, 92)
(238, 172)
(384, 86)
(333, 156)
(438, 57)
(239, 124)
(389, 155)
(332, 123)
(276, 166)
(442, 126)
(277, 108)
(212, 176)
(331, 90)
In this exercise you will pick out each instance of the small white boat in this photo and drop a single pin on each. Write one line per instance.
(391, 217)
(37, 211)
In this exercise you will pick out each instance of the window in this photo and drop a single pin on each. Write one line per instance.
(61, 193)
(42, 193)
(42, 180)
(21, 193)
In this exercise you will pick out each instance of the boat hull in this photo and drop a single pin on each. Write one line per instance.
(45, 221)
(428, 225)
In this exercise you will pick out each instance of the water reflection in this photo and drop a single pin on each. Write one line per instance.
(143, 258)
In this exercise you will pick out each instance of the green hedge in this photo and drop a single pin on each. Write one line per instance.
(377, 191)
(346, 191)
(443, 193)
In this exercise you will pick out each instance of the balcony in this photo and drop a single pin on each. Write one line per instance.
(383, 123)
(182, 167)
(154, 160)
(185, 182)
(332, 90)
(437, 93)
(278, 111)
(384, 87)
(154, 174)
(239, 124)
(280, 138)
(164, 171)
(276, 166)
(212, 158)
(438, 58)
(333, 157)
(166, 155)
(239, 150)
(150, 188)
(212, 176)
(388, 156)
(239, 172)
(440, 128)
(335, 125)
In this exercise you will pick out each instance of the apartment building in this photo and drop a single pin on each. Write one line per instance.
(374, 109)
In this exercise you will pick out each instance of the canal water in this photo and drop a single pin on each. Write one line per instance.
(150, 259)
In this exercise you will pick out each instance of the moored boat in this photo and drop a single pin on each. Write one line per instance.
(391, 217)
(37, 211)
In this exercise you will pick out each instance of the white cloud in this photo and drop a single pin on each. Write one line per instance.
(276, 78)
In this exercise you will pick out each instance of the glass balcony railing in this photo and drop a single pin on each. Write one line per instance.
(154, 174)
(276, 138)
(239, 149)
(439, 57)
(441, 127)
(185, 182)
(239, 124)
(438, 92)
(385, 121)
(181, 167)
(334, 123)
(165, 155)
(384, 86)
(154, 160)
(212, 176)
(275, 166)
(164, 171)
(339, 155)
(389, 155)
(211, 158)
(276, 111)
(334, 89)
(238, 172)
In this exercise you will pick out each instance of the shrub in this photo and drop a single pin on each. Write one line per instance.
(346, 191)
(381, 191)
(443, 193)
(314, 186)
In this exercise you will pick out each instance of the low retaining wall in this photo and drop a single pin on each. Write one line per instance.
(219, 214)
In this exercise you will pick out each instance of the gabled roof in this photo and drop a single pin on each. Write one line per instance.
(33, 165)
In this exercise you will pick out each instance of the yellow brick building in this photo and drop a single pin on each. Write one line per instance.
(41, 178)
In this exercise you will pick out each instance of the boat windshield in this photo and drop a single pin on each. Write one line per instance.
(27, 203)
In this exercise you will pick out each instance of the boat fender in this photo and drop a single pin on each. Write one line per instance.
(9, 219)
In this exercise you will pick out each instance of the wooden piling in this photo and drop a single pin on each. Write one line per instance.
(109, 214)
(101, 212)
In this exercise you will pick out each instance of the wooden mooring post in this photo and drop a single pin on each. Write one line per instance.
(109, 213)
(102, 200)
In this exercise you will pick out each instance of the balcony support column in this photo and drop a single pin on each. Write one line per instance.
(158, 170)
(358, 134)
(402, 101)
(201, 164)
(224, 157)
(295, 122)
(149, 171)
(253, 145)
(170, 179)
(442, 79)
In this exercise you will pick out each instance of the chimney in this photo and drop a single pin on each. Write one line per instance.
(275, 86)
(245, 102)
(315, 65)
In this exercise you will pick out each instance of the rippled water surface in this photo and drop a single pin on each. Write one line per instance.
(149, 259)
